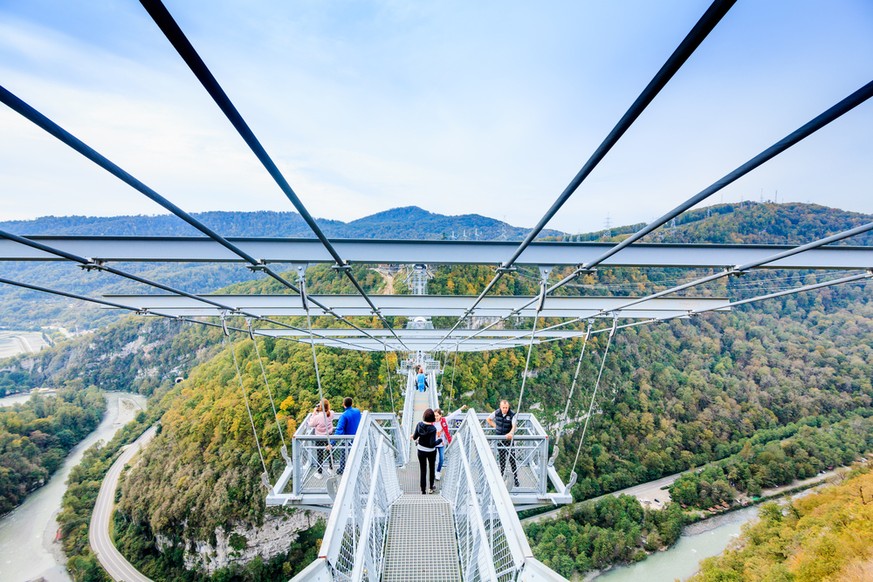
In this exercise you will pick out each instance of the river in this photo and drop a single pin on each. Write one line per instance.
(700, 540)
(27, 547)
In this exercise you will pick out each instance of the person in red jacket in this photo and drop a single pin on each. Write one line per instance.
(442, 426)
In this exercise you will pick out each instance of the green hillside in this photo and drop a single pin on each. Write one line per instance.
(33, 310)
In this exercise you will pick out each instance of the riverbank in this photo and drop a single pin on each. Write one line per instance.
(707, 537)
(15, 342)
(28, 549)
(23, 397)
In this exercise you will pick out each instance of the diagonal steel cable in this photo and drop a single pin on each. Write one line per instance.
(31, 114)
(388, 376)
(527, 363)
(68, 295)
(686, 48)
(594, 396)
(248, 409)
(267, 385)
(563, 422)
(90, 264)
(817, 123)
(162, 17)
(81, 147)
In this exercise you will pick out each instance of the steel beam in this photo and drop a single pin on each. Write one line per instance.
(276, 250)
(417, 305)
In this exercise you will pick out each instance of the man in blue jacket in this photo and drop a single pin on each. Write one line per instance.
(347, 425)
(421, 379)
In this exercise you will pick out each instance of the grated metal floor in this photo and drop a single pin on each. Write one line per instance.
(409, 475)
(421, 541)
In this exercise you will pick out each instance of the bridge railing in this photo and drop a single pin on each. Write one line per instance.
(317, 462)
(408, 420)
(491, 542)
(389, 423)
(523, 462)
(353, 546)
(433, 400)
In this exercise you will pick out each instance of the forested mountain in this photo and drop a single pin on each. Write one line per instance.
(32, 310)
(824, 536)
(410, 222)
(673, 395)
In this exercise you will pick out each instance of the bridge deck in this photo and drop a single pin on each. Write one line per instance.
(421, 542)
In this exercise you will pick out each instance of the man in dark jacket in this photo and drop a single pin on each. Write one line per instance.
(504, 423)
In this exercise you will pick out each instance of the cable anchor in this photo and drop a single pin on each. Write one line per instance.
(94, 265)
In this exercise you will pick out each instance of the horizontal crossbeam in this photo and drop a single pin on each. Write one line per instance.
(275, 250)
(418, 305)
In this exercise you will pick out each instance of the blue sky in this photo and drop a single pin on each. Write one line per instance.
(457, 107)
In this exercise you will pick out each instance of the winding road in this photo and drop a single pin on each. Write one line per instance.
(98, 535)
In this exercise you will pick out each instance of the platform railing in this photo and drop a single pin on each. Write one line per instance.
(389, 423)
(353, 547)
(524, 461)
(317, 463)
(491, 542)
(433, 399)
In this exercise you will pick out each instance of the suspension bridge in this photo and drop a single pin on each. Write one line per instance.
(375, 511)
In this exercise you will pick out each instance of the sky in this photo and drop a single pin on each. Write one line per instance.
(457, 107)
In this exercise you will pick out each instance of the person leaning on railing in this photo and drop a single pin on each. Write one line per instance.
(347, 425)
(504, 423)
(321, 421)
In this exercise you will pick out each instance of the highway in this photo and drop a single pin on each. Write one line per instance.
(110, 558)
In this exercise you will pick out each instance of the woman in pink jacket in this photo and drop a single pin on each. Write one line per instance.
(321, 421)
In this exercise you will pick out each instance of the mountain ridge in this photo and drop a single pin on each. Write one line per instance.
(409, 222)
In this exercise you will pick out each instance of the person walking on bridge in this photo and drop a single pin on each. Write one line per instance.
(504, 424)
(421, 379)
(442, 425)
(425, 437)
(347, 425)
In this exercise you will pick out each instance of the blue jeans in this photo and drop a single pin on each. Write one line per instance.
(440, 453)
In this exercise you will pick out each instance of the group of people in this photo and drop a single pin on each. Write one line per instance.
(431, 436)
(321, 421)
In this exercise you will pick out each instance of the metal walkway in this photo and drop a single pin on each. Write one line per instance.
(381, 527)
(421, 543)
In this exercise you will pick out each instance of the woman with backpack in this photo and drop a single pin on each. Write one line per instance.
(425, 436)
